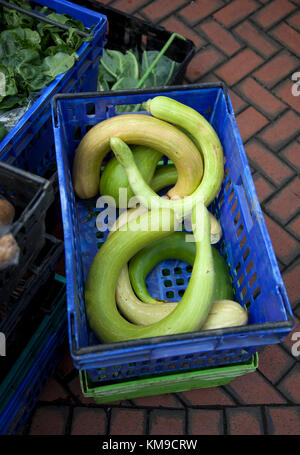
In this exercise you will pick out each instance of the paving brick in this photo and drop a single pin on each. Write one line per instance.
(284, 91)
(261, 98)
(282, 131)
(263, 188)
(274, 70)
(294, 20)
(285, 246)
(204, 61)
(198, 10)
(166, 422)
(288, 36)
(253, 389)
(250, 121)
(89, 421)
(289, 385)
(294, 227)
(256, 38)
(273, 12)
(286, 203)
(283, 420)
(212, 396)
(175, 25)
(167, 400)
(205, 422)
(239, 66)
(274, 362)
(127, 421)
(268, 163)
(220, 37)
(129, 6)
(237, 102)
(235, 11)
(292, 283)
(49, 420)
(53, 391)
(244, 421)
(156, 10)
(291, 153)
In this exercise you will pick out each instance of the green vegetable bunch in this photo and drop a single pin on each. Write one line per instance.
(33, 53)
(123, 71)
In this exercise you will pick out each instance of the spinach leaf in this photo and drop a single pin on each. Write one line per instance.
(33, 53)
(118, 71)
(124, 82)
(54, 65)
(7, 81)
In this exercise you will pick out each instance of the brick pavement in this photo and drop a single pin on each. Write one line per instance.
(253, 46)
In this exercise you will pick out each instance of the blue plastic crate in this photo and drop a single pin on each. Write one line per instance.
(245, 245)
(21, 388)
(30, 144)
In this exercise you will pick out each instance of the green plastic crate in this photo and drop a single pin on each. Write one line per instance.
(165, 383)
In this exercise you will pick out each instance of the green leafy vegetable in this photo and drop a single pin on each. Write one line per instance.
(123, 71)
(33, 53)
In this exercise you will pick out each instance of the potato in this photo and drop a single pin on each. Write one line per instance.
(9, 251)
(7, 212)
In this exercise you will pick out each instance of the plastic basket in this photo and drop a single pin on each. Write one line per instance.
(128, 32)
(29, 302)
(21, 388)
(245, 245)
(168, 383)
(30, 144)
(31, 196)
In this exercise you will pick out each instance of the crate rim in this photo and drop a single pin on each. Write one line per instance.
(139, 91)
(145, 344)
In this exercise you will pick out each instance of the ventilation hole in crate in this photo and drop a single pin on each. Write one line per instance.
(239, 230)
(228, 185)
(179, 281)
(170, 294)
(256, 293)
(243, 242)
(181, 292)
(253, 279)
(77, 133)
(221, 201)
(241, 279)
(88, 128)
(234, 207)
(168, 283)
(237, 218)
(99, 244)
(165, 272)
(246, 305)
(189, 269)
(231, 196)
(244, 292)
(177, 270)
(100, 235)
(250, 266)
(90, 109)
(246, 254)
